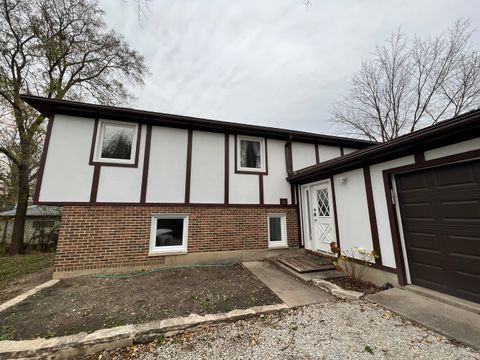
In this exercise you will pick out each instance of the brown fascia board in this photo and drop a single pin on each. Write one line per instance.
(48, 107)
(460, 128)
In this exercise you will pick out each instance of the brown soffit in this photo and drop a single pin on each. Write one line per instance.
(459, 128)
(48, 107)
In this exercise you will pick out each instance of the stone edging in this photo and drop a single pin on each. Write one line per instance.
(336, 290)
(83, 344)
(26, 294)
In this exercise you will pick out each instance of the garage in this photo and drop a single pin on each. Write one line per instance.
(440, 217)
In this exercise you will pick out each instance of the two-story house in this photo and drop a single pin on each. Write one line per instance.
(141, 189)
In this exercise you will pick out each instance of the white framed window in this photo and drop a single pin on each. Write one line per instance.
(277, 231)
(251, 154)
(168, 234)
(116, 142)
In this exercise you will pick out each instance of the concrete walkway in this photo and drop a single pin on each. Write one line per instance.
(290, 290)
(452, 321)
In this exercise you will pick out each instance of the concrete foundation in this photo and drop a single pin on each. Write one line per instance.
(214, 257)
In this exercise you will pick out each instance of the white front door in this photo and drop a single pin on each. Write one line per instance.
(323, 226)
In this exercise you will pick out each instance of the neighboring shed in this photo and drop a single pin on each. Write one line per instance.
(41, 224)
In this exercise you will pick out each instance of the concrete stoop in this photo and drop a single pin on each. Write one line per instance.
(82, 344)
(318, 279)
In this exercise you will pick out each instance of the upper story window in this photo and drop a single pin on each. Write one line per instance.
(251, 154)
(116, 142)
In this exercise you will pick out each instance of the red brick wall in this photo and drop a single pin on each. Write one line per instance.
(96, 237)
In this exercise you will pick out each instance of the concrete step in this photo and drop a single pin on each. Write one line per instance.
(307, 278)
(301, 264)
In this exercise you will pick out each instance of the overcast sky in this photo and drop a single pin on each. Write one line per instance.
(275, 63)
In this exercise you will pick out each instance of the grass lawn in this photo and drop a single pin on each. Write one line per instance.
(13, 267)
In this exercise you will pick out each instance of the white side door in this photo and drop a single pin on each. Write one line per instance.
(323, 224)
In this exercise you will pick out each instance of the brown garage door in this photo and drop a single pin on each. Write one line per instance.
(440, 210)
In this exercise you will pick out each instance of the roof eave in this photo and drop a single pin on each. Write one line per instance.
(49, 107)
(457, 129)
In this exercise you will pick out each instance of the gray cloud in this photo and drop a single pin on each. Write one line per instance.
(275, 63)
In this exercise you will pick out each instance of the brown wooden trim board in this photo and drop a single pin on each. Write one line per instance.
(260, 189)
(334, 201)
(372, 214)
(128, 204)
(146, 164)
(95, 181)
(43, 159)
(227, 170)
(189, 167)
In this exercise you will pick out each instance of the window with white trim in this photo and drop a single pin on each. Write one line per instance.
(116, 142)
(277, 230)
(251, 154)
(169, 234)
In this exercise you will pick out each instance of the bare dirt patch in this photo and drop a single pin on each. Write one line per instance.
(355, 285)
(88, 303)
(13, 288)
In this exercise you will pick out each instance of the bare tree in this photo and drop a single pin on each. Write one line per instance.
(408, 85)
(57, 49)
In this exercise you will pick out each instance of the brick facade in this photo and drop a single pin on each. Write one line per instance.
(99, 237)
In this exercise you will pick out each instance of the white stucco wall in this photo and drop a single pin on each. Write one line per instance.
(348, 150)
(303, 155)
(328, 152)
(381, 209)
(122, 184)
(469, 145)
(275, 185)
(208, 163)
(167, 165)
(352, 211)
(67, 175)
(243, 188)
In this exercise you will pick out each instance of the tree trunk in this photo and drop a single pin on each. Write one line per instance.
(16, 245)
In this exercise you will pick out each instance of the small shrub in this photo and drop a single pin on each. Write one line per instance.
(352, 266)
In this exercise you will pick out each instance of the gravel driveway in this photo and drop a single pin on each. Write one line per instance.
(341, 330)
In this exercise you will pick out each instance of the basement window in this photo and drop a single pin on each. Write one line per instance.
(251, 154)
(116, 142)
(169, 233)
(277, 231)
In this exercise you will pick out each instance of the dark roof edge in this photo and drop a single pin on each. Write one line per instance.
(460, 128)
(48, 107)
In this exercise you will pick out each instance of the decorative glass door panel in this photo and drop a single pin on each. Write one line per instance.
(323, 228)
